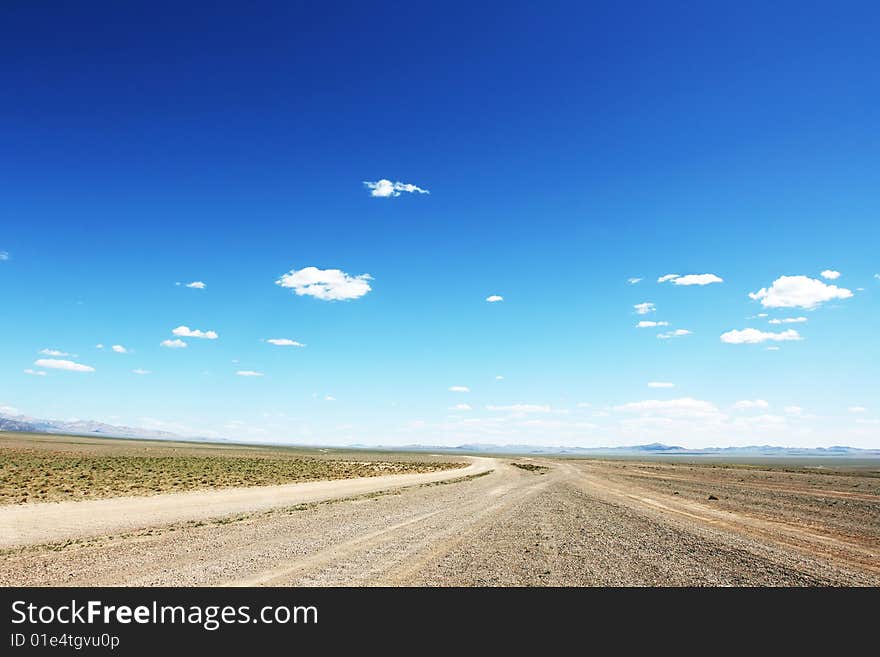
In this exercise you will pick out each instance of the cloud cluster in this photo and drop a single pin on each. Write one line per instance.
(646, 323)
(644, 308)
(119, 349)
(326, 284)
(798, 292)
(754, 336)
(196, 285)
(173, 344)
(386, 189)
(495, 298)
(284, 342)
(187, 332)
(788, 320)
(53, 352)
(830, 274)
(69, 365)
(691, 279)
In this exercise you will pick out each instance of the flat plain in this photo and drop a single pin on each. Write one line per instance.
(503, 521)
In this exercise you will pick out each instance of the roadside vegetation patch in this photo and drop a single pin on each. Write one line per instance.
(34, 475)
(531, 467)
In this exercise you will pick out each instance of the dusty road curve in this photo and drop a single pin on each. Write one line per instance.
(578, 523)
(57, 521)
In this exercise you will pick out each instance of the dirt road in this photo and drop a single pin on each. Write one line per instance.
(576, 523)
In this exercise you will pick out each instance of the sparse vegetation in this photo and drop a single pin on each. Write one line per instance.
(34, 474)
(531, 467)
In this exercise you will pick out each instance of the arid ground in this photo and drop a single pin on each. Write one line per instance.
(502, 521)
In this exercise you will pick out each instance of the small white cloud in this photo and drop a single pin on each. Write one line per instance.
(196, 285)
(386, 189)
(99, 346)
(35, 372)
(667, 277)
(499, 378)
(754, 336)
(773, 348)
(173, 344)
(4, 256)
(119, 349)
(69, 365)
(649, 324)
(584, 405)
(187, 332)
(644, 308)
(459, 389)
(248, 373)
(677, 333)
(141, 372)
(53, 352)
(634, 280)
(328, 397)
(284, 342)
(751, 403)
(495, 298)
(762, 315)
(857, 409)
(460, 407)
(697, 279)
(830, 274)
(660, 384)
(684, 407)
(798, 292)
(326, 284)
(788, 320)
(793, 410)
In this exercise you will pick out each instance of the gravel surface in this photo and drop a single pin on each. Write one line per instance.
(579, 523)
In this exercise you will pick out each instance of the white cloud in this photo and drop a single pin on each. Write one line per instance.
(660, 384)
(751, 403)
(521, 408)
(326, 284)
(788, 320)
(386, 189)
(326, 398)
(650, 324)
(53, 352)
(877, 276)
(499, 378)
(667, 277)
(173, 344)
(697, 279)
(284, 342)
(857, 409)
(459, 389)
(34, 372)
(645, 308)
(248, 373)
(677, 333)
(495, 298)
(99, 346)
(187, 332)
(830, 274)
(684, 407)
(460, 407)
(633, 280)
(754, 336)
(798, 292)
(119, 349)
(55, 364)
(793, 410)
(196, 285)
(141, 372)
(772, 348)
(4, 255)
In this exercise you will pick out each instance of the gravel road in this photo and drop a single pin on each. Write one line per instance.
(579, 523)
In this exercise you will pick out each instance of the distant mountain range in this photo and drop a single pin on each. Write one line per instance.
(649, 449)
(23, 423)
(77, 427)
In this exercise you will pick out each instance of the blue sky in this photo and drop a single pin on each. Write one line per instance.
(565, 150)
